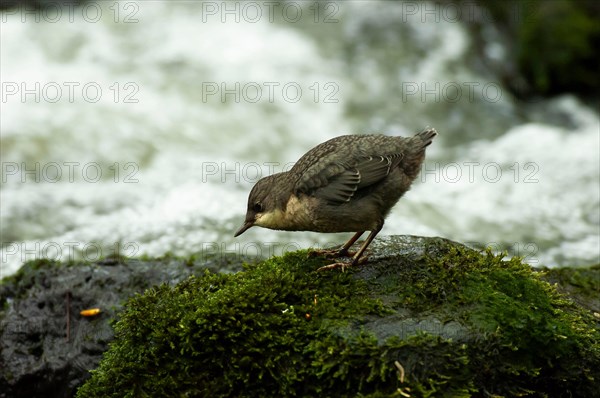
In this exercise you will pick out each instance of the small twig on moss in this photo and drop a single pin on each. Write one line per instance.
(401, 370)
(401, 378)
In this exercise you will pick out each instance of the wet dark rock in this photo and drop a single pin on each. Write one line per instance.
(44, 354)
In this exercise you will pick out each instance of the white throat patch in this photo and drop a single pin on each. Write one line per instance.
(296, 216)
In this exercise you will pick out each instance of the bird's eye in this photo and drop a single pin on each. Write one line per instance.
(257, 208)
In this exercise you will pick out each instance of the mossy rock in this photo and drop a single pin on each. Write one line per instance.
(580, 284)
(426, 317)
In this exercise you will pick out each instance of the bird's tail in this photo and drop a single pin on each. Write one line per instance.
(423, 139)
(411, 163)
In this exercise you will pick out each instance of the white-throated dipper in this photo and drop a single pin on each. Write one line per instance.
(346, 184)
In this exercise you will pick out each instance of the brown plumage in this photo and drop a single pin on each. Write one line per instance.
(346, 184)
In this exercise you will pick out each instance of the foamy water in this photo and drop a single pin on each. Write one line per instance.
(173, 117)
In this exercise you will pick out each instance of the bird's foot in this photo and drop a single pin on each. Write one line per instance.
(344, 264)
(330, 253)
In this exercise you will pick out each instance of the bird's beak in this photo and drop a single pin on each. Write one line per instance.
(244, 227)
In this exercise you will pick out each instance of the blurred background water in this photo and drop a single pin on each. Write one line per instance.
(140, 126)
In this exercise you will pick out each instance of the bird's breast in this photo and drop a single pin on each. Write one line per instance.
(298, 213)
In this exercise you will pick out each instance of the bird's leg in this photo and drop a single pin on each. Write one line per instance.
(341, 252)
(357, 259)
(344, 250)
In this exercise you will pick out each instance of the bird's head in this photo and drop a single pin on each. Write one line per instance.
(266, 204)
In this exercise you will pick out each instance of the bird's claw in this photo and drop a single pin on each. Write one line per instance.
(343, 265)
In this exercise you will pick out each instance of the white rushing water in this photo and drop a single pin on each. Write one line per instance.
(143, 125)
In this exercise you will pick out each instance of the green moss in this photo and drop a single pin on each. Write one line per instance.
(362, 363)
(243, 326)
(281, 329)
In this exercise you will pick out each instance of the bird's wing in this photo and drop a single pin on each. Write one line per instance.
(337, 183)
